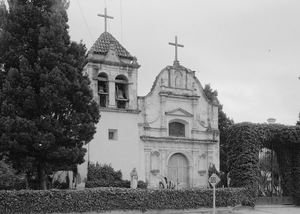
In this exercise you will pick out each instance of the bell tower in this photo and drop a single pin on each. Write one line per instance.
(113, 72)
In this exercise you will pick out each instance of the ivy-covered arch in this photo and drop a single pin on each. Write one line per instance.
(245, 140)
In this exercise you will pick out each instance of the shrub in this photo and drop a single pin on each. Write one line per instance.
(106, 199)
(119, 184)
(105, 176)
(107, 183)
(142, 185)
(9, 180)
(103, 172)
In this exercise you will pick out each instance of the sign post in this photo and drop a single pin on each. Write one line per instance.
(214, 180)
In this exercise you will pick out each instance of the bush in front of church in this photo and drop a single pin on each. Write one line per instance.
(103, 172)
(142, 185)
(104, 175)
(9, 180)
(107, 183)
(119, 184)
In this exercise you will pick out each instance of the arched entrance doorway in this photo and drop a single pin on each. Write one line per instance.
(178, 170)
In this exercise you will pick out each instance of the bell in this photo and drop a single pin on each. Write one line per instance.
(120, 94)
(101, 90)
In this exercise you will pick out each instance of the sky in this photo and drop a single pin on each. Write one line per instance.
(247, 50)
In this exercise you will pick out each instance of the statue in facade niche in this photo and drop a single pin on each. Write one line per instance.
(133, 179)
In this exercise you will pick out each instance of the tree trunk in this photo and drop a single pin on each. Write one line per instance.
(42, 177)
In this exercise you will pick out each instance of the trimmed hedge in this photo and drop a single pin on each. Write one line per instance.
(105, 199)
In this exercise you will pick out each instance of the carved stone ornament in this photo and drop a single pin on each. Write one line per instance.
(155, 171)
(155, 153)
(201, 122)
(202, 156)
(202, 172)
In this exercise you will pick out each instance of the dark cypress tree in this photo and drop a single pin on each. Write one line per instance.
(47, 108)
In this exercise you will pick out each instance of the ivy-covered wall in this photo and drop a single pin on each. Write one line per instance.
(245, 140)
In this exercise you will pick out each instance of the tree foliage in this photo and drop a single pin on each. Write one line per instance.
(224, 122)
(47, 112)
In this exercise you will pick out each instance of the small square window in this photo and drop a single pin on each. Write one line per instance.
(112, 134)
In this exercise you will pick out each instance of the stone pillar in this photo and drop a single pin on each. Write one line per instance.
(129, 90)
(147, 166)
(92, 72)
(194, 121)
(163, 163)
(112, 94)
(210, 153)
(194, 177)
(94, 84)
(162, 114)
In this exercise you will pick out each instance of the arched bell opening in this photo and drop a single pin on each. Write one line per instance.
(121, 83)
(103, 89)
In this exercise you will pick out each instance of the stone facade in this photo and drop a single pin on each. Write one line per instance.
(177, 98)
(171, 132)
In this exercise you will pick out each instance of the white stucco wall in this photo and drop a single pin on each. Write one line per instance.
(124, 152)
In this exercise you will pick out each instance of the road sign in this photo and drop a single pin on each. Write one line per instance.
(214, 179)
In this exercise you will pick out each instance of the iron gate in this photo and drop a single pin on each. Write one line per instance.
(271, 180)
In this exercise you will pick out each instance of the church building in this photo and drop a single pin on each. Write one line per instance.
(171, 132)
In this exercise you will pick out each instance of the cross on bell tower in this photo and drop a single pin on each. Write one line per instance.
(105, 18)
(176, 45)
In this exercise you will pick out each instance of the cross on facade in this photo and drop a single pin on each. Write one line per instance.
(105, 18)
(176, 45)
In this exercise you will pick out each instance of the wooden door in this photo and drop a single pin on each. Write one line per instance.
(178, 170)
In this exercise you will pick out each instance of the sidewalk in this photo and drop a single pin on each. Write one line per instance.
(260, 209)
(267, 209)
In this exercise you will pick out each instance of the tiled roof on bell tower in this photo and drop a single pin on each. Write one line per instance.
(101, 46)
